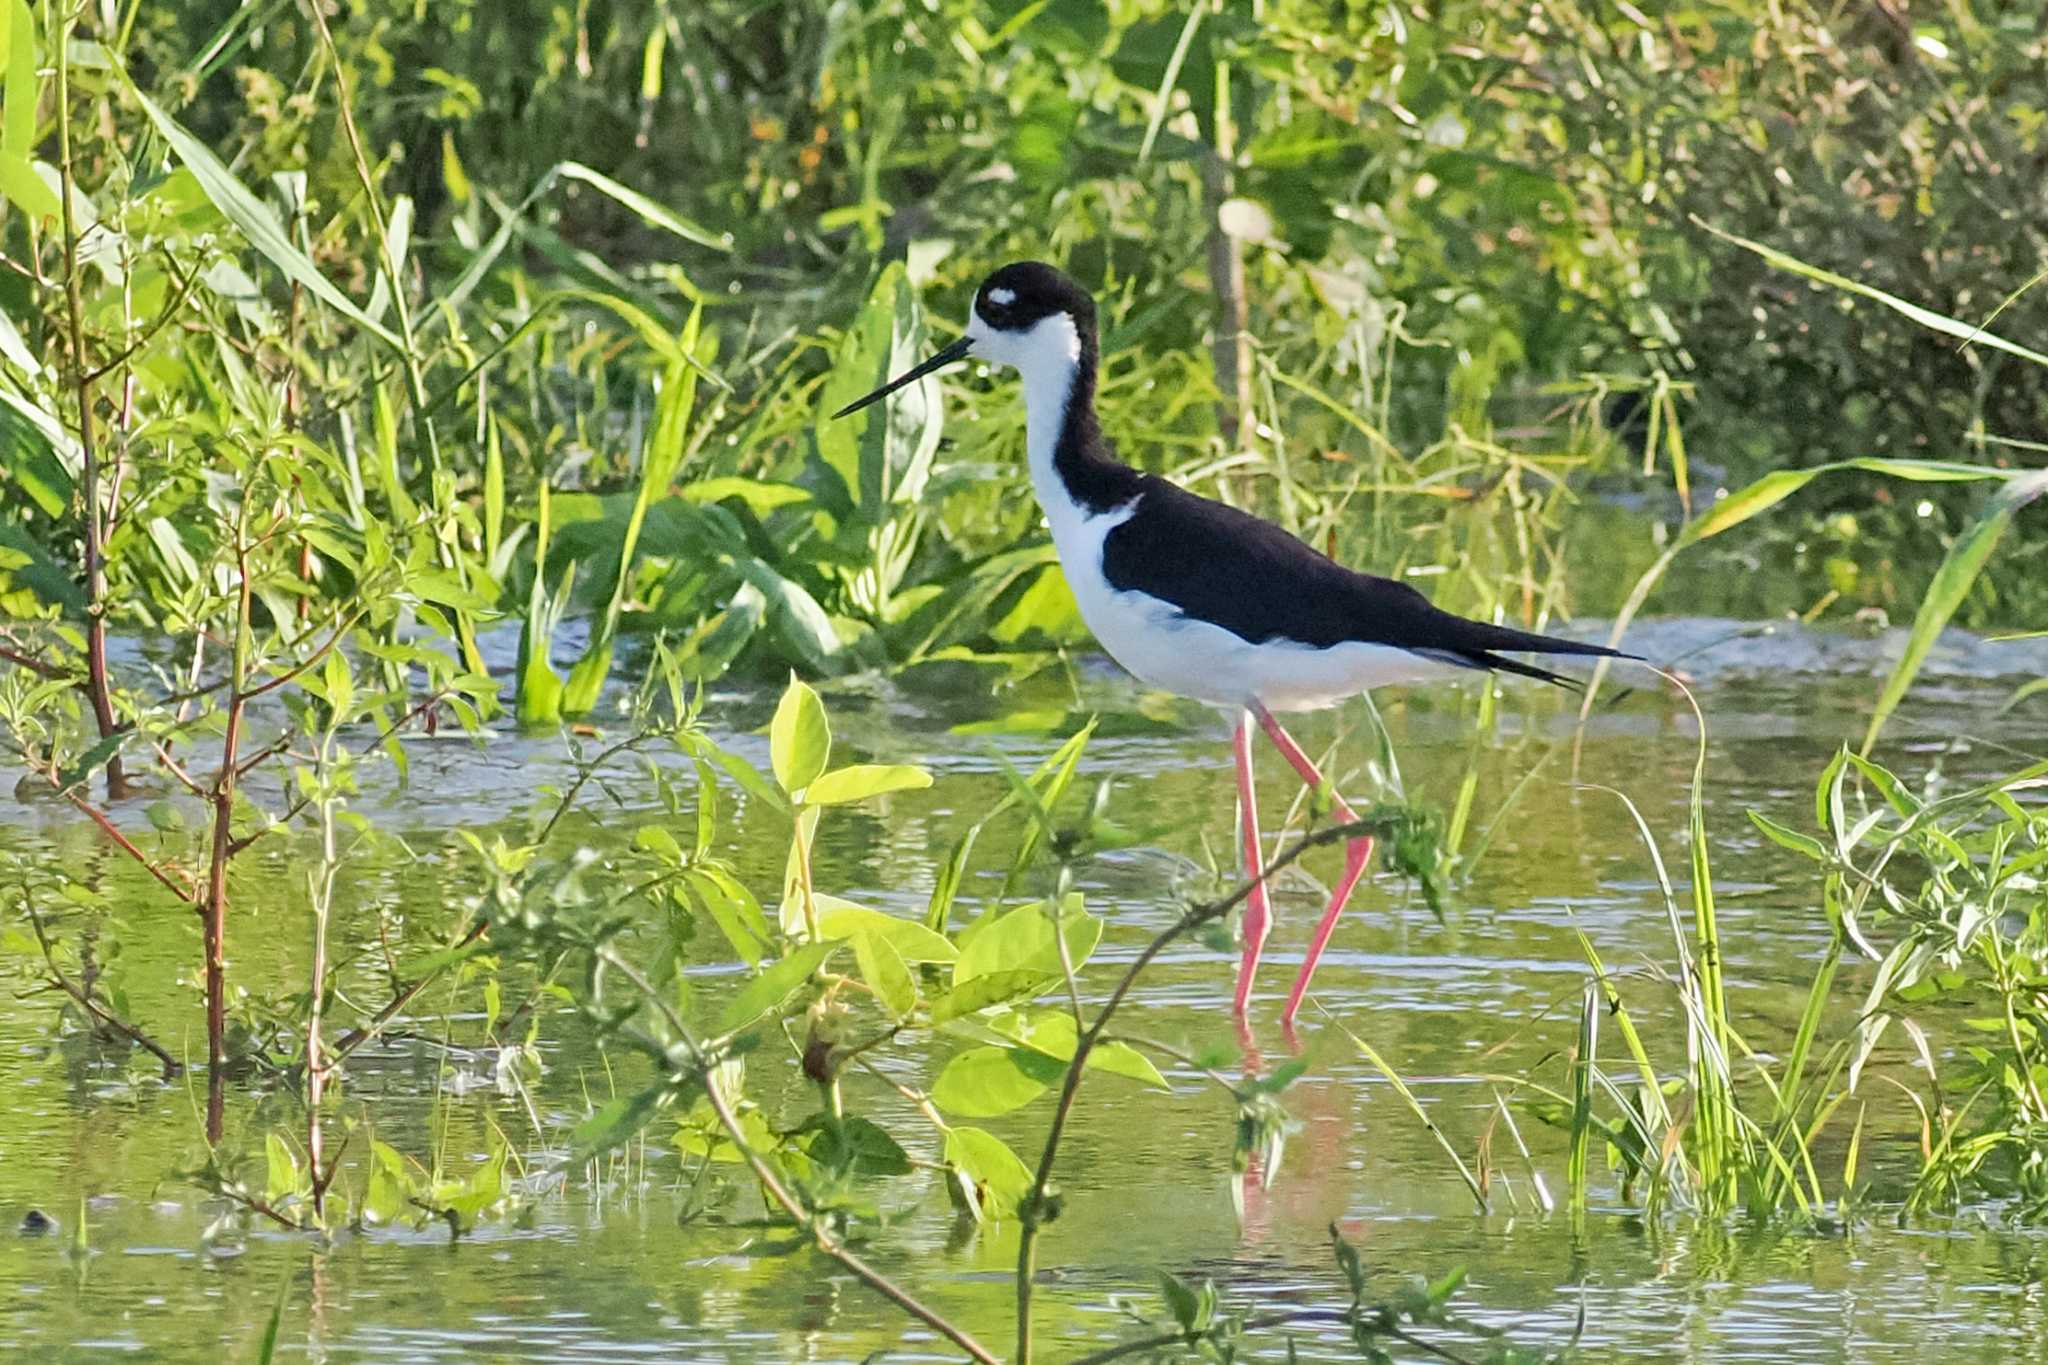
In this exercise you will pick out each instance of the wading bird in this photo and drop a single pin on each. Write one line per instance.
(1198, 598)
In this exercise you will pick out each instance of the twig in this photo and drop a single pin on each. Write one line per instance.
(1153, 1343)
(83, 997)
(33, 665)
(356, 1037)
(821, 1236)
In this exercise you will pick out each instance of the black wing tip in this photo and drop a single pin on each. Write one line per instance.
(1493, 662)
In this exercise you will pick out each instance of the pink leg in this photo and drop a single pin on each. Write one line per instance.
(1357, 857)
(1258, 914)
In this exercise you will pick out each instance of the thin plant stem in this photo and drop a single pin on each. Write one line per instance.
(821, 1235)
(1032, 1209)
(83, 997)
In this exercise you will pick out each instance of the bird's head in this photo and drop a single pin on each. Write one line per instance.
(1027, 316)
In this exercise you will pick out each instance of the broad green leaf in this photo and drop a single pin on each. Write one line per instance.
(255, 219)
(281, 1175)
(761, 496)
(733, 908)
(658, 841)
(992, 988)
(883, 454)
(983, 1082)
(33, 450)
(803, 627)
(94, 758)
(1053, 1034)
(857, 1147)
(1952, 583)
(913, 942)
(799, 738)
(25, 189)
(1002, 1180)
(385, 1199)
(768, 990)
(1022, 940)
(860, 781)
(881, 966)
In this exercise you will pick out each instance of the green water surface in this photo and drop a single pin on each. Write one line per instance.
(619, 1262)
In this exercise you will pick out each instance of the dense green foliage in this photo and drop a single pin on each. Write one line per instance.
(1459, 238)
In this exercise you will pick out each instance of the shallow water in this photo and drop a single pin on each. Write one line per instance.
(600, 1267)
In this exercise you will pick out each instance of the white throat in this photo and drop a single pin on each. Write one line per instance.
(1046, 359)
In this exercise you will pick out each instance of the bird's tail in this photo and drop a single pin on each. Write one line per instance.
(1480, 645)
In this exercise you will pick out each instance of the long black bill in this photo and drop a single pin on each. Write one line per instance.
(957, 351)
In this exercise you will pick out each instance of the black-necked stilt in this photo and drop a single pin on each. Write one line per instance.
(1199, 598)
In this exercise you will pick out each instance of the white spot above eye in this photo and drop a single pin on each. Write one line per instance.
(1002, 298)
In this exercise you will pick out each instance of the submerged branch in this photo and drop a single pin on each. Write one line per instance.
(83, 995)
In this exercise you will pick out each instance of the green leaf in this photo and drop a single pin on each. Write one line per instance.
(881, 966)
(266, 1347)
(658, 841)
(1191, 1308)
(733, 908)
(1022, 940)
(255, 219)
(882, 455)
(539, 699)
(990, 989)
(1054, 1034)
(656, 215)
(619, 1118)
(863, 780)
(1933, 321)
(1790, 838)
(761, 496)
(1002, 1180)
(856, 1147)
(93, 759)
(385, 1199)
(802, 627)
(1952, 583)
(913, 942)
(282, 1169)
(768, 990)
(985, 1081)
(799, 738)
(18, 129)
(25, 189)
(32, 456)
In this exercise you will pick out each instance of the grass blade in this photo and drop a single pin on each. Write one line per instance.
(1952, 583)
(255, 219)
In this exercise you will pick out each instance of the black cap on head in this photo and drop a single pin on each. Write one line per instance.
(1018, 296)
